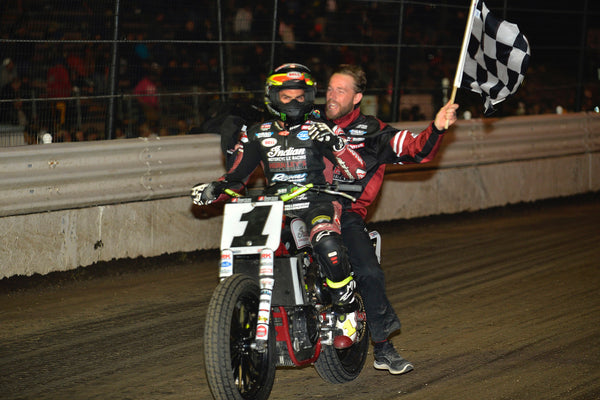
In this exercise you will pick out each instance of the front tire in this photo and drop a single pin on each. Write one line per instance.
(234, 369)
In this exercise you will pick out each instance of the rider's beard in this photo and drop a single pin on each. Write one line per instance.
(338, 110)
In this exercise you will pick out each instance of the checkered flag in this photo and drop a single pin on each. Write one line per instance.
(494, 57)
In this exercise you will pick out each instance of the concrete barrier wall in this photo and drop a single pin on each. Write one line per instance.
(74, 204)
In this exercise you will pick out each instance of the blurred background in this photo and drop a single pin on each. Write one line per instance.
(108, 69)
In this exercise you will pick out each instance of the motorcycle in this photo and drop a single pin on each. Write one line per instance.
(272, 307)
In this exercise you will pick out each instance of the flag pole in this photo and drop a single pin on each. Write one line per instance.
(463, 53)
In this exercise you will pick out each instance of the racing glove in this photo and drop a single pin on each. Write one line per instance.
(322, 133)
(205, 193)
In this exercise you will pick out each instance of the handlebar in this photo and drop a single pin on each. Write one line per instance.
(335, 189)
(348, 187)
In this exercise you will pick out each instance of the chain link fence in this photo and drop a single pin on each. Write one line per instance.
(105, 69)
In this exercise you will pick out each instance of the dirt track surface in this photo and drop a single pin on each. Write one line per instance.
(502, 304)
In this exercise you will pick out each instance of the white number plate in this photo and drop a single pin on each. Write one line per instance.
(251, 227)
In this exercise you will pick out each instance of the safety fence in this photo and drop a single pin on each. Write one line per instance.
(84, 71)
(62, 176)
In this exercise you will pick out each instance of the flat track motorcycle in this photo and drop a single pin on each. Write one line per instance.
(272, 307)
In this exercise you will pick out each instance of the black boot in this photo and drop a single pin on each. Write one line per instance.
(343, 300)
(344, 305)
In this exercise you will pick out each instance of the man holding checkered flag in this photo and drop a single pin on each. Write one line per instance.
(493, 59)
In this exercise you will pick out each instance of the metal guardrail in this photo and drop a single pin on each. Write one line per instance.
(497, 141)
(61, 176)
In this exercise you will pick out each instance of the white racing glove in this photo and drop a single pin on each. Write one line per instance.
(205, 193)
(322, 133)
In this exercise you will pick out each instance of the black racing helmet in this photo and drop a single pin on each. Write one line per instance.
(290, 76)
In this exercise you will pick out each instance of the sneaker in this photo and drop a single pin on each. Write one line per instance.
(388, 358)
(347, 324)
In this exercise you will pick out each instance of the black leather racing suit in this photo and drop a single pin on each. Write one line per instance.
(289, 156)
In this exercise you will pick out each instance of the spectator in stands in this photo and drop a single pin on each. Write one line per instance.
(7, 72)
(188, 51)
(242, 22)
(148, 86)
(80, 72)
(146, 99)
(58, 82)
(12, 113)
(141, 50)
(288, 36)
(58, 114)
(90, 134)
(63, 135)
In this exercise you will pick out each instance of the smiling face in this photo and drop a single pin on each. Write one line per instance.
(341, 96)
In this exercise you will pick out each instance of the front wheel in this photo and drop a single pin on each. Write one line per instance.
(234, 369)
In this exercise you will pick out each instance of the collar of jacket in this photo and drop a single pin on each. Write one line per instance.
(347, 119)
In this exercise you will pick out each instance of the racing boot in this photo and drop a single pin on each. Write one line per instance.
(345, 306)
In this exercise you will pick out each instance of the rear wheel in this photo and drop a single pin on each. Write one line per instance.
(342, 366)
(233, 368)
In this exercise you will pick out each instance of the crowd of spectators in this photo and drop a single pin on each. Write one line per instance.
(168, 77)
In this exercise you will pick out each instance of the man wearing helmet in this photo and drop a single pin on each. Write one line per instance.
(291, 150)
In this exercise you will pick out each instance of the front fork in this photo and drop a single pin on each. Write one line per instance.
(266, 282)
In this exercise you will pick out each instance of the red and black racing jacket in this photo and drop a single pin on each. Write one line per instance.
(379, 144)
